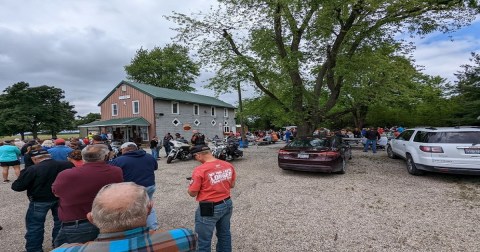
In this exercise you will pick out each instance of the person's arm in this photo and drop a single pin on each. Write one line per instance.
(195, 184)
(17, 151)
(191, 193)
(24, 180)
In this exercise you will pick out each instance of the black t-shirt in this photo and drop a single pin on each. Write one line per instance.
(38, 179)
(198, 139)
(153, 144)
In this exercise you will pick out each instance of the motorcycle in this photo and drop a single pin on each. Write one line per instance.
(219, 151)
(227, 151)
(180, 150)
(233, 151)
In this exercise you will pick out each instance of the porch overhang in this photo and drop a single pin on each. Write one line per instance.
(130, 121)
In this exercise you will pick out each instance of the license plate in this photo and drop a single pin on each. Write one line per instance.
(472, 151)
(303, 155)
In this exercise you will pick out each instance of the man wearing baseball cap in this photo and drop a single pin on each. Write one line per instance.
(210, 184)
(60, 151)
(37, 180)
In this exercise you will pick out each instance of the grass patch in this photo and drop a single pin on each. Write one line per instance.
(41, 136)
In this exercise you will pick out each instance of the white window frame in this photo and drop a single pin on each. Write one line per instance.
(178, 108)
(114, 105)
(226, 129)
(225, 112)
(133, 107)
(213, 111)
(198, 109)
(178, 122)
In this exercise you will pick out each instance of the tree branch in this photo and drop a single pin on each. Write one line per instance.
(252, 69)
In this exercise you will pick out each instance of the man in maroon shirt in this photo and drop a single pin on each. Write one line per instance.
(76, 188)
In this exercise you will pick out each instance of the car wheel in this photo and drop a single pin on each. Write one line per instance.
(411, 167)
(169, 159)
(390, 152)
(344, 167)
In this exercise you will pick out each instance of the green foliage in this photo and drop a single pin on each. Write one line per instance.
(170, 67)
(24, 108)
(90, 117)
(301, 54)
(466, 93)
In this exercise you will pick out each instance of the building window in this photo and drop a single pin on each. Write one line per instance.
(196, 122)
(213, 111)
(114, 109)
(136, 107)
(213, 122)
(196, 109)
(176, 122)
(225, 112)
(226, 128)
(175, 108)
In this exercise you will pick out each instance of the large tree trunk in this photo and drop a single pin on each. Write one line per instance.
(360, 115)
(54, 134)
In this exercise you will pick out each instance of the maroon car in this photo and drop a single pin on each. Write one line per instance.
(315, 155)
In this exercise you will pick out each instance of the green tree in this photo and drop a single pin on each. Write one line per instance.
(305, 44)
(90, 117)
(24, 108)
(14, 110)
(466, 93)
(170, 67)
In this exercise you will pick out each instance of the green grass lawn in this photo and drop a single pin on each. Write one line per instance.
(42, 137)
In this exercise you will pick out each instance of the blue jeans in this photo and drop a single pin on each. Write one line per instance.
(152, 221)
(35, 223)
(373, 143)
(167, 148)
(204, 226)
(154, 152)
(78, 233)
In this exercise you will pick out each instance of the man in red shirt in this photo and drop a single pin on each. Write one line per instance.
(211, 183)
(76, 188)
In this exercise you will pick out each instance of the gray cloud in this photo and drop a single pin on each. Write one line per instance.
(82, 46)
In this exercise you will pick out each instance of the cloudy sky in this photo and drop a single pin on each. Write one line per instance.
(81, 46)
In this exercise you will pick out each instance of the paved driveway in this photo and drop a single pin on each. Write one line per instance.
(375, 206)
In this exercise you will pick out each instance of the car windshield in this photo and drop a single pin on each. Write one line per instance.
(309, 143)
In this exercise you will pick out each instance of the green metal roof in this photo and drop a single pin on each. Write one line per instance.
(138, 121)
(159, 93)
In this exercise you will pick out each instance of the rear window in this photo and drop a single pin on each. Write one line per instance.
(469, 137)
(309, 143)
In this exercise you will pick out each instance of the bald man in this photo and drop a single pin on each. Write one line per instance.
(120, 212)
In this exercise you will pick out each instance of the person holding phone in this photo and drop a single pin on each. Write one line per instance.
(211, 183)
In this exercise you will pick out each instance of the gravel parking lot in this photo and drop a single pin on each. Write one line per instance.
(375, 206)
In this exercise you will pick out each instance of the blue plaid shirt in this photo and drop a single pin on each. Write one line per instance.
(138, 239)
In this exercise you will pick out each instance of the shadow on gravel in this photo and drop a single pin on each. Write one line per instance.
(303, 174)
(453, 178)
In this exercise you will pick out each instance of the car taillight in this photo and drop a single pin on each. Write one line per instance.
(432, 149)
(284, 152)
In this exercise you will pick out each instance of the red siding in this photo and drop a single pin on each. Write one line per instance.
(125, 108)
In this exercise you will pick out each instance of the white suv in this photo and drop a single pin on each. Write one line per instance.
(446, 149)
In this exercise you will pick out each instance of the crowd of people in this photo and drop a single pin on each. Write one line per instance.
(113, 209)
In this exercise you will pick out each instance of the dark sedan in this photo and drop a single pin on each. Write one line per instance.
(315, 155)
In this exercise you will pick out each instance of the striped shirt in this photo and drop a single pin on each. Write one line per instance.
(138, 239)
